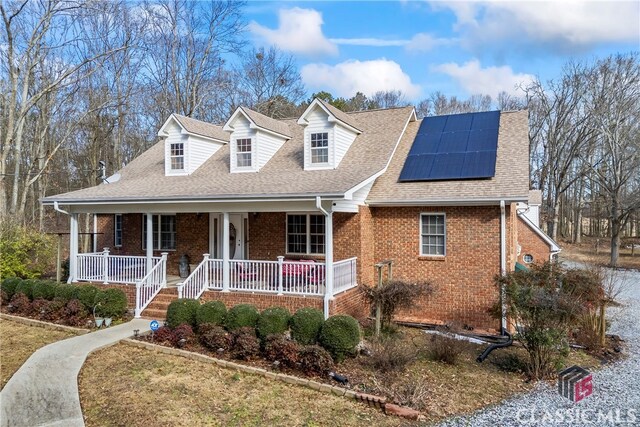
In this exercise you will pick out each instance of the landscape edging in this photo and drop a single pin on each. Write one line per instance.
(41, 324)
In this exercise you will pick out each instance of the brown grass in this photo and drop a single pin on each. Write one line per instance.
(18, 342)
(586, 253)
(123, 385)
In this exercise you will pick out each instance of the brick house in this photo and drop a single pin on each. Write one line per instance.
(297, 212)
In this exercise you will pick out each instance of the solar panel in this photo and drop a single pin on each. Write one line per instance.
(460, 146)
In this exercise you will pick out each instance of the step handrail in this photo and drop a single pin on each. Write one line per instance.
(149, 286)
(196, 283)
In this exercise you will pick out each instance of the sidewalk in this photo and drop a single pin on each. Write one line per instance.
(44, 391)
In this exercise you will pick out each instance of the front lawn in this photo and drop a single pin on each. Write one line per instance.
(19, 341)
(124, 385)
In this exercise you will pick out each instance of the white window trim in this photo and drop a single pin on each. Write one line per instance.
(251, 167)
(183, 156)
(444, 215)
(143, 240)
(316, 149)
(308, 234)
(115, 230)
(525, 256)
(330, 131)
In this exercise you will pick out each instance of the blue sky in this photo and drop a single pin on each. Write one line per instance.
(459, 48)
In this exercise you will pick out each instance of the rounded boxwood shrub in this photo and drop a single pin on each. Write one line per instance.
(240, 316)
(66, 292)
(340, 335)
(306, 324)
(111, 303)
(87, 296)
(182, 311)
(273, 320)
(25, 287)
(212, 312)
(44, 289)
(9, 285)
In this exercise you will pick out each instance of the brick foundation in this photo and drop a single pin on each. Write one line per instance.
(351, 302)
(262, 301)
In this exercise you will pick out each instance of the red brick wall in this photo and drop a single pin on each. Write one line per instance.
(267, 235)
(531, 243)
(262, 301)
(351, 302)
(129, 291)
(463, 279)
(366, 257)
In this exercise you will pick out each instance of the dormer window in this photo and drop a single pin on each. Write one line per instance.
(243, 153)
(320, 148)
(177, 156)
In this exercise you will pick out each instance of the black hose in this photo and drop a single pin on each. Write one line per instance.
(492, 347)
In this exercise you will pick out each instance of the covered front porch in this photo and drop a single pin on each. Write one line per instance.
(268, 251)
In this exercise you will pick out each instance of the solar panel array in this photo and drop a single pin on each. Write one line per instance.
(459, 146)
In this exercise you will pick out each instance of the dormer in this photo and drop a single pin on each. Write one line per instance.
(328, 134)
(188, 143)
(254, 139)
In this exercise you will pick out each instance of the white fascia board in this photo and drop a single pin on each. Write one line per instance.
(555, 248)
(265, 130)
(162, 132)
(227, 125)
(445, 202)
(332, 119)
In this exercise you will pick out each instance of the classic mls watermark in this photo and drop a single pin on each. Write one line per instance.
(575, 383)
(535, 415)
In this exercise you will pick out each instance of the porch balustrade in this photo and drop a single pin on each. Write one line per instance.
(106, 268)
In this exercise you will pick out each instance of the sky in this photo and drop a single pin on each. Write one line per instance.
(455, 47)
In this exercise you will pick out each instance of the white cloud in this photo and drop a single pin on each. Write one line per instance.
(347, 78)
(563, 24)
(490, 80)
(420, 42)
(368, 41)
(299, 31)
(423, 42)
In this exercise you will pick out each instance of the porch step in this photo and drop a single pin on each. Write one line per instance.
(157, 309)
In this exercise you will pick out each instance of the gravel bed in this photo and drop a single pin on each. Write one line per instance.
(616, 387)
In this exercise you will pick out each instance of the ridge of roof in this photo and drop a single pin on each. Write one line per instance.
(199, 127)
(267, 122)
(339, 114)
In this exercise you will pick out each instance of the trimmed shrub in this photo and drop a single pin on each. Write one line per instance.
(340, 335)
(306, 324)
(87, 296)
(245, 343)
(25, 287)
(9, 285)
(39, 308)
(314, 359)
(163, 334)
(66, 292)
(19, 304)
(212, 312)
(273, 320)
(181, 335)
(112, 303)
(241, 316)
(44, 289)
(182, 312)
(75, 314)
(214, 337)
(277, 347)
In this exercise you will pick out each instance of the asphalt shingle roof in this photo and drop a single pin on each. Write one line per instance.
(202, 128)
(266, 122)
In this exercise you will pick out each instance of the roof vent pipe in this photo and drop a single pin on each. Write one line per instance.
(103, 171)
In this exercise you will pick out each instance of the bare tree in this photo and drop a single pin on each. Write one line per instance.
(388, 99)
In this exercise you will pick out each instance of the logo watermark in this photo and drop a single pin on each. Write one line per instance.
(597, 417)
(575, 383)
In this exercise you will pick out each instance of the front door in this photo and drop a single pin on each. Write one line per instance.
(237, 235)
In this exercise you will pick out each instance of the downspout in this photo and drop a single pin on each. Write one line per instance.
(328, 294)
(57, 208)
(503, 264)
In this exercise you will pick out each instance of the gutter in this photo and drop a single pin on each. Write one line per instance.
(446, 202)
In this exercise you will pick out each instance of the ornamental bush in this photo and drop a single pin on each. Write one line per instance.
(44, 289)
(240, 316)
(245, 343)
(87, 296)
(306, 324)
(163, 334)
(181, 335)
(66, 292)
(340, 335)
(9, 285)
(278, 347)
(25, 252)
(111, 303)
(19, 304)
(212, 312)
(182, 312)
(25, 287)
(273, 320)
(314, 359)
(214, 337)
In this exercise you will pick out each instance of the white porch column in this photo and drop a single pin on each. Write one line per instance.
(150, 232)
(226, 276)
(73, 247)
(328, 227)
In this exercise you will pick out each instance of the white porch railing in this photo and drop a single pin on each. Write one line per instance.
(208, 274)
(149, 286)
(106, 268)
(344, 275)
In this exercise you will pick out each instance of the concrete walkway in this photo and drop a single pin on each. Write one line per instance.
(44, 391)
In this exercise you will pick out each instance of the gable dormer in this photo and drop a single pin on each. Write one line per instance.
(328, 134)
(188, 143)
(254, 139)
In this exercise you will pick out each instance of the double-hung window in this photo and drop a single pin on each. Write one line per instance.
(117, 230)
(320, 148)
(305, 234)
(164, 232)
(177, 156)
(243, 153)
(433, 236)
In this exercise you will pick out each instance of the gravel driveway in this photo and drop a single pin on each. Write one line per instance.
(616, 388)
